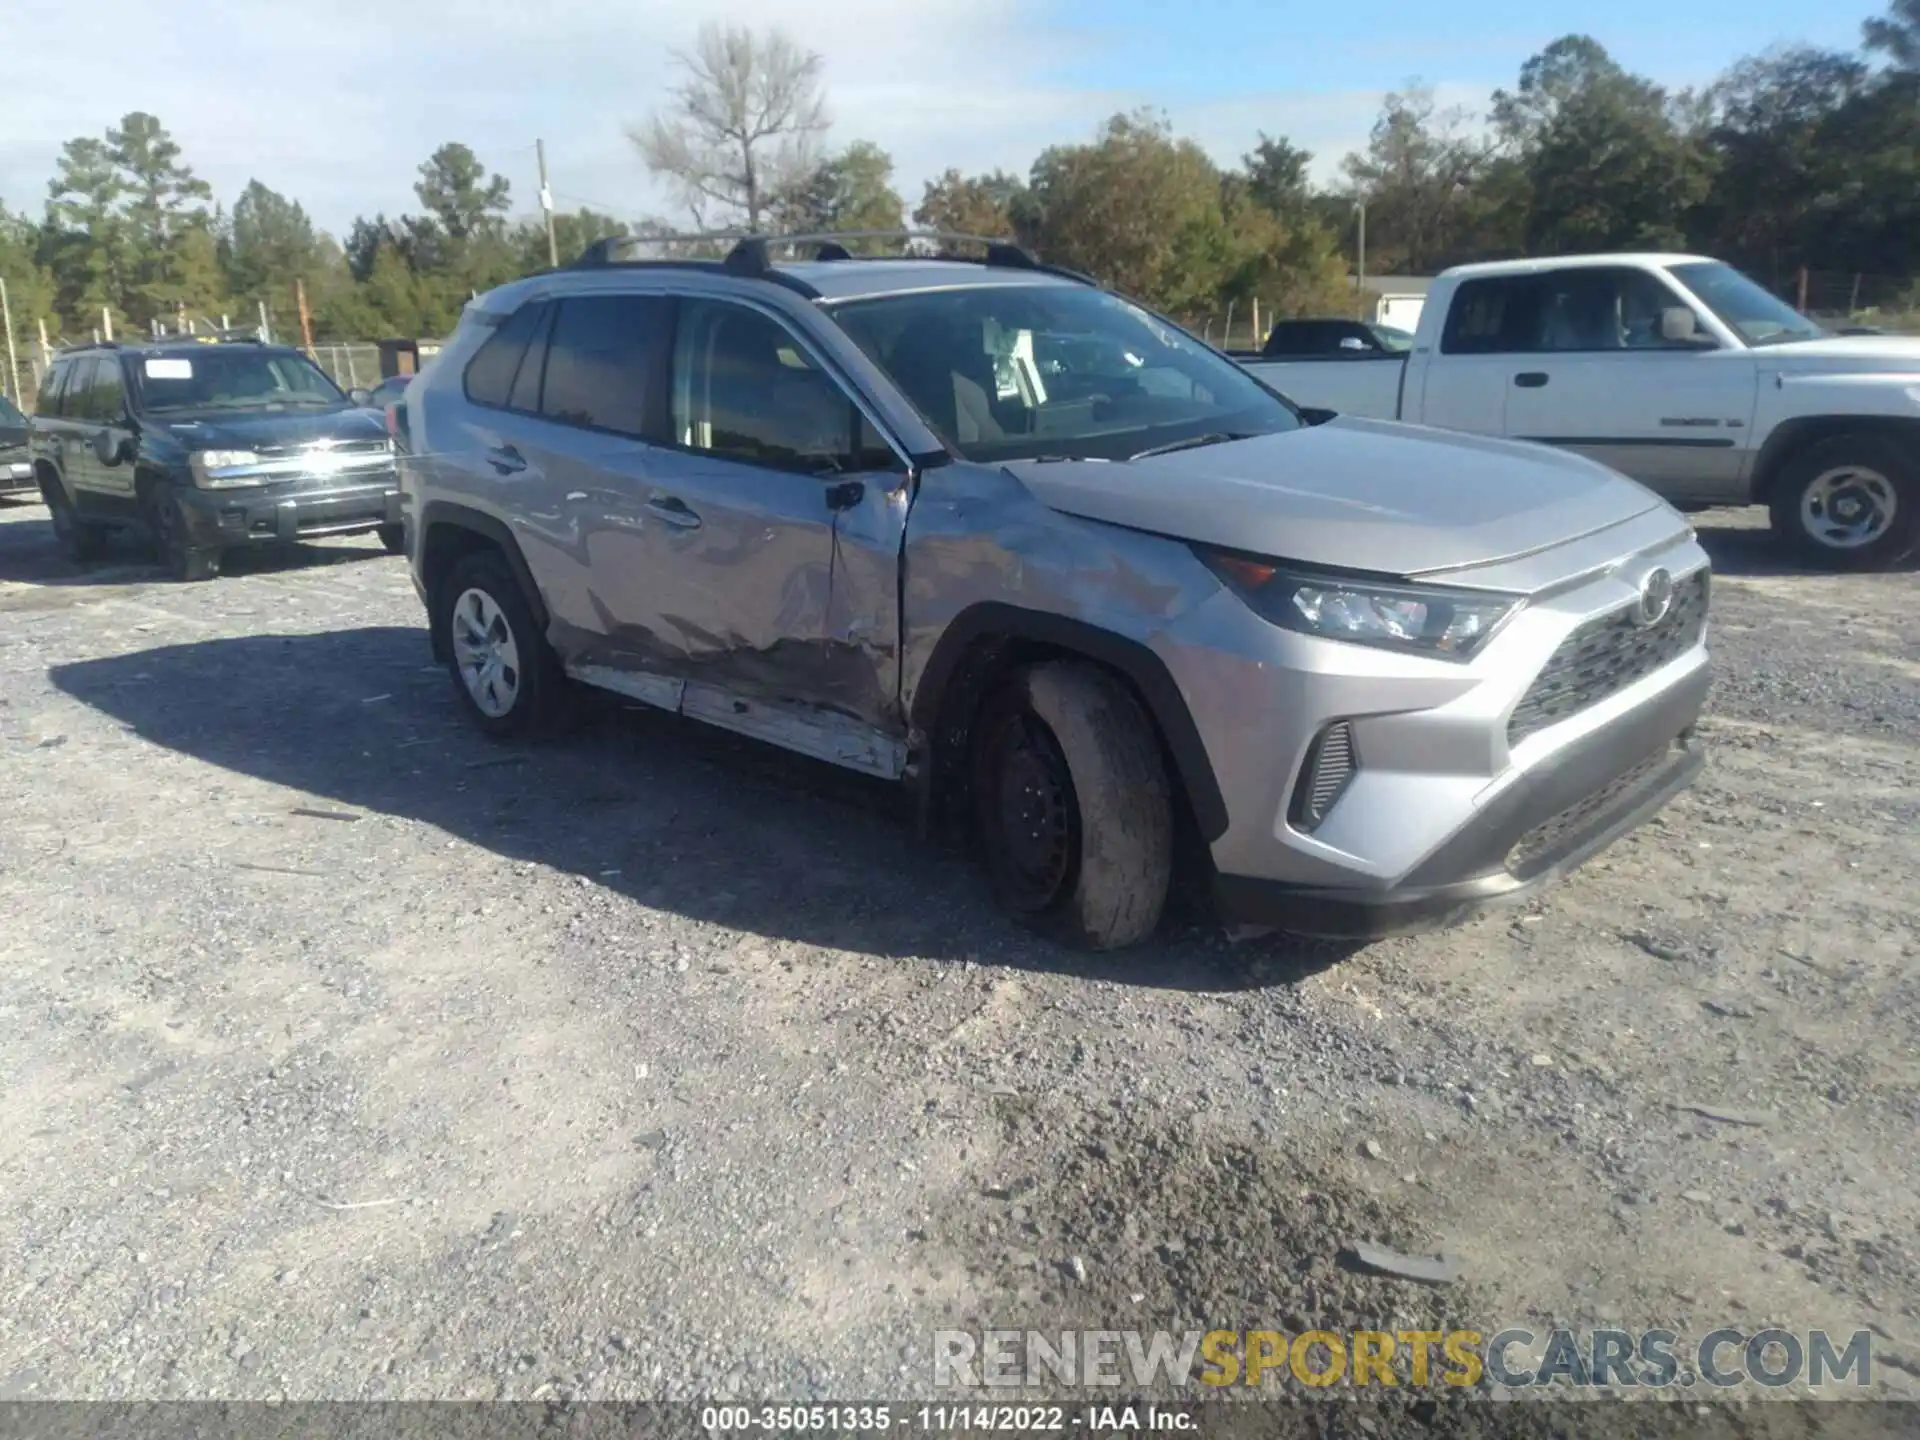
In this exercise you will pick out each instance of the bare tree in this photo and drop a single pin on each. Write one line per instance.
(742, 124)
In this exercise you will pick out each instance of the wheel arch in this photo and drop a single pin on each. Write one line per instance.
(1790, 437)
(449, 531)
(986, 640)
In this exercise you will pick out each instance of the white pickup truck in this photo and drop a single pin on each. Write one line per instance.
(1675, 369)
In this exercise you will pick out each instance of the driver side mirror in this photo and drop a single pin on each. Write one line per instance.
(110, 448)
(360, 396)
(1680, 326)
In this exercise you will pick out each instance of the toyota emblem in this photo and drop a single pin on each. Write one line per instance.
(1656, 597)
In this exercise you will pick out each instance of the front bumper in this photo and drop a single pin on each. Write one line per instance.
(282, 514)
(16, 473)
(1558, 815)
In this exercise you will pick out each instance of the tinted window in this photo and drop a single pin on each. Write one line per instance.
(48, 402)
(1005, 372)
(1491, 317)
(605, 362)
(745, 388)
(107, 396)
(76, 402)
(490, 374)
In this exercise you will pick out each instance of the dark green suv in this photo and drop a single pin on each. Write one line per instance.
(207, 447)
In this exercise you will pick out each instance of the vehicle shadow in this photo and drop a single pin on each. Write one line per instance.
(29, 554)
(670, 813)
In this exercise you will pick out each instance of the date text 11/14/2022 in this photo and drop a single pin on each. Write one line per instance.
(945, 1419)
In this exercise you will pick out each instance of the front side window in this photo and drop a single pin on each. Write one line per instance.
(1590, 309)
(604, 363)
(746, 389)
(1004, 372)
(107, 397)
(240, 378)
(1755, 314)
(77, 402)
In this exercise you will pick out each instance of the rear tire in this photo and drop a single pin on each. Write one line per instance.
(79, 541)
(1851, 502)
(1073, 805)
(506, 676)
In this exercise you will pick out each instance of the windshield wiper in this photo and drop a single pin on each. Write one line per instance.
(1192, 442)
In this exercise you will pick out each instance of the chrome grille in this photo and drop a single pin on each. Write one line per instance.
(1608, 654)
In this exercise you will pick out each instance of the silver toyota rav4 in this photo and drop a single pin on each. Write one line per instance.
(987, 529)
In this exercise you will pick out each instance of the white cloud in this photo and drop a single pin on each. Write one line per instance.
(337, 107)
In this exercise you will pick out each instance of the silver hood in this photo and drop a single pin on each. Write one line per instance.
(1355, 494)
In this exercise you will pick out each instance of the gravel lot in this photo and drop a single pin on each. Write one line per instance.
(347, 1055)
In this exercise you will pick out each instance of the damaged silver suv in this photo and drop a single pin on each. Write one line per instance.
(982, 527)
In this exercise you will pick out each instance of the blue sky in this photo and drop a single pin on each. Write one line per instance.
(338, 107)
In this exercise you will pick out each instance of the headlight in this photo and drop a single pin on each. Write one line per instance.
(205, 462)
(1419, 619)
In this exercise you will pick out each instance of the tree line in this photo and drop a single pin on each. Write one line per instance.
(1797, 157)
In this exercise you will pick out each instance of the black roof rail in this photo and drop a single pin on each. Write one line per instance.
(750, 255)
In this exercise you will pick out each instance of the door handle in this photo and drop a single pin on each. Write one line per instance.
(673, 510)
(1530, 379)
(506, 460)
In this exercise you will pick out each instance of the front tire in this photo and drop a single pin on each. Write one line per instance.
(506, 676)
(173, 538)
(1073, 805)
(1851, 502)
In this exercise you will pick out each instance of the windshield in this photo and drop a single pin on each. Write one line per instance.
(234, 379)
(1393, 338)
(1755, 314)
(1028, 371)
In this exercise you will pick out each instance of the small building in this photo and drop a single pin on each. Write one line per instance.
(1397, 300)
(405, 357)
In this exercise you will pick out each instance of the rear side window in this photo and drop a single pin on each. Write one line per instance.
(1493, 317)
(493, 369)
(48, 401)
(607, 363)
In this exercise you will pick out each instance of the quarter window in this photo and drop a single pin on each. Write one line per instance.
(491, 373)
(1491, 317)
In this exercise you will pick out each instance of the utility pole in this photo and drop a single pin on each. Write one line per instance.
(306, 316)
(1360, 280)
(546, 204)
(13, 361)
(266, 330)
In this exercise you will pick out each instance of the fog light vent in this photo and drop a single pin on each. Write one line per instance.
(1329, 766)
